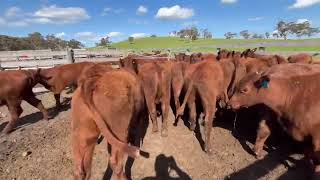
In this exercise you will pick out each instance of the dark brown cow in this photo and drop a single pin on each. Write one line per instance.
(16, 86)
(210, 80)
(58, 78)
(114, 106)
(291, 91)
(301, 58)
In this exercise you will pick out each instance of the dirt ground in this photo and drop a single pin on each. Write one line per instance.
(39, 149)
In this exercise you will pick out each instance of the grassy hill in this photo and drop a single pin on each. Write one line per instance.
(204, 45)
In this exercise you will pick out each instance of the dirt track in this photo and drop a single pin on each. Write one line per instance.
(178, 156)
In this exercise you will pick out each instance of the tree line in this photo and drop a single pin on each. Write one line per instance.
(36, 41)
(283, 29)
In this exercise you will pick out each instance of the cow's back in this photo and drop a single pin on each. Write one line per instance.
(13, 83)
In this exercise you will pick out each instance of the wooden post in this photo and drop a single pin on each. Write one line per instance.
(70, 56)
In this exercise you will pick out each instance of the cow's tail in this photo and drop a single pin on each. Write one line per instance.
(87, 89)
(186, 97)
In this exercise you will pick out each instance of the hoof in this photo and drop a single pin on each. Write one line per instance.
(208, 150)
(8, 129)
(155, 130)
(192, 126)
(164, 133)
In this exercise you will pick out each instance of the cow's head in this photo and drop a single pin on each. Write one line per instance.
(43, 78)
(248, 91)
(249, 53)
(222, 54)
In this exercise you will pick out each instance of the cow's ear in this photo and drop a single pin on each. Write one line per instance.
(218, 56)
(245, 53)
(263, 82)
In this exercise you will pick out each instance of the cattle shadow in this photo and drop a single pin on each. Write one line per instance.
(164, 166)
(35, 117)
(299, 170)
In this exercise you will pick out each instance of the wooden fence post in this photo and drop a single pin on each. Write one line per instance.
(70, 56)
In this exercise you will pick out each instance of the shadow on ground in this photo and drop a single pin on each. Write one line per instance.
(37, 116)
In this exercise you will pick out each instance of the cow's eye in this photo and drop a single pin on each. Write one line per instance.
(245, 90)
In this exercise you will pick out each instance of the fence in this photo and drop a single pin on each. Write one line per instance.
(47, 58)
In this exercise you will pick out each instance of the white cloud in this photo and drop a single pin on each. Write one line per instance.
(138, 22)
(138, 35)
(13, 12)
(256, 18)
(114, 34)
(190, 23)
(87, 36)
(2, 22)
(142, 10)
(228, 1)
(174, 13)
(275, 32)
(299, 21)
(60, 35)
(60, 15)
(108, 10)
(16, 17)
(304, 3)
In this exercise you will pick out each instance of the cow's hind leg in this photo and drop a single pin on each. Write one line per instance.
(209, 106)
(31, 99)
(263, 133)
(83, 147)
(165, 114)
(316, 148)
(57, 98)
(153, 113)
(192, 111)
(116, 163)
(15, 111)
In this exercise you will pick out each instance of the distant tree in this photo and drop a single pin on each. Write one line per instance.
(303, 29)
(206, 34)
(275, 35)
(283, 29)
(36, 40)
(131, 39)
(190, 32)
(255, 36)
(245, 34)
(74, 44)
(267, 34)
(230, 35)
(153, 36)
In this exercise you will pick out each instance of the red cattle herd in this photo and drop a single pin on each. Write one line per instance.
(118, 103)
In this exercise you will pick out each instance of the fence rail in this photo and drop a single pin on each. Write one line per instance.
(48, 58)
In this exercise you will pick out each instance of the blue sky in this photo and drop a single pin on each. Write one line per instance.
(90, 20)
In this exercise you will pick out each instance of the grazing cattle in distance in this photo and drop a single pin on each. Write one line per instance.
(111, 104)
(301, 58)
(16, 86)
(291, 91)
(56, 79)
